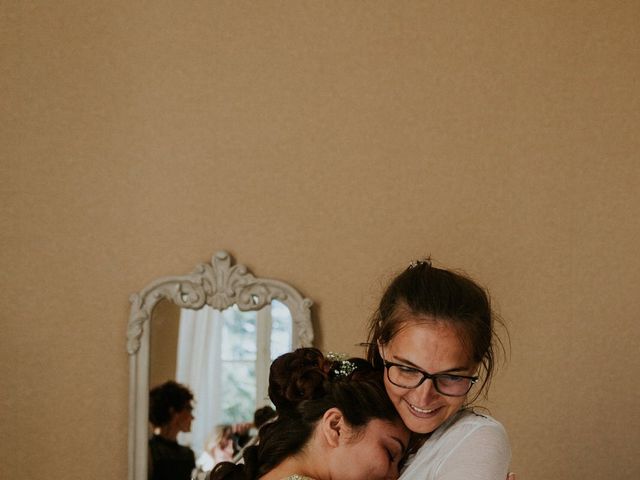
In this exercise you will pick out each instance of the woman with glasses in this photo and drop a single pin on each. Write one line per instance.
(433, 334)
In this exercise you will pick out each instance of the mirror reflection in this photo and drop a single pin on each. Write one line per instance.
(214, 331)
(221, 356)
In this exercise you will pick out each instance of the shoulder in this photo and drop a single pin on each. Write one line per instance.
(471, 430)
(469, 421)
(162, 448)
(467, 439)
(466, 424)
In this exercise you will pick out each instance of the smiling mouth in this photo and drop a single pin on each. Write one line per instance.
(422, 411)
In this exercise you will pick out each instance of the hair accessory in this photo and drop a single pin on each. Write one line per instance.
(341, 366)
(419, 263)
(336, 356)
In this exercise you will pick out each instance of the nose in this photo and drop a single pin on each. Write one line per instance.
(427, 391)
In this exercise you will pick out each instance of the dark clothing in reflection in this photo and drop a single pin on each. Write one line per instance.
(169, 461)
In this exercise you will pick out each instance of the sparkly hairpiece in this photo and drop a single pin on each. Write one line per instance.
(341, 366)
(419, 263)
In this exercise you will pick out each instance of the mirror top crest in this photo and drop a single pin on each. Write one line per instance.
(219, 284)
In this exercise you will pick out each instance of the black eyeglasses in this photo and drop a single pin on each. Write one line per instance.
(444, 383)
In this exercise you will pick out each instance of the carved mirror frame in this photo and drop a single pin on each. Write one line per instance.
(218, 284)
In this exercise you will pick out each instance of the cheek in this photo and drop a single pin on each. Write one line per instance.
(456, 402)
(369, 464)
(382, 467)
(352, 465)
(393, 392)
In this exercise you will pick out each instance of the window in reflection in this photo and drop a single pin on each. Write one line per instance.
(224, 357)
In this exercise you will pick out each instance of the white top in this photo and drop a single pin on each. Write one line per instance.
(468, 446)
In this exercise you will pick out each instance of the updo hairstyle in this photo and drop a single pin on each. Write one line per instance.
(303, 385)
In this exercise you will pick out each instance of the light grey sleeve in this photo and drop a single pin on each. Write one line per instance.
(483, 454)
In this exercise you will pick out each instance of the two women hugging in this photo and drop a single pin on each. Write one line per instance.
(406, 411)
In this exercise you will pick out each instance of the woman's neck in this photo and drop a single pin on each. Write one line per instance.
(168, 432)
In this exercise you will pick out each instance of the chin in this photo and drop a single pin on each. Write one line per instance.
(418, 425)
(421, 427)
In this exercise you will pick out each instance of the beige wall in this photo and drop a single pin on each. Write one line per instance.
(327, 144)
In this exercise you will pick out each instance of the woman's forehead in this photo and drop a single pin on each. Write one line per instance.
(420, 342)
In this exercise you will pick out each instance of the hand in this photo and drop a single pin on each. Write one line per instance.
(511, 476)
(242, 428)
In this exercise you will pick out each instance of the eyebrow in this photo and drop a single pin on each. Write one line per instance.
(411, 364)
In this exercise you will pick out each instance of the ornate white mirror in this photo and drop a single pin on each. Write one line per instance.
(215, 330)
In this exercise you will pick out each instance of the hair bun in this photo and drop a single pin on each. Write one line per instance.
(297, 376)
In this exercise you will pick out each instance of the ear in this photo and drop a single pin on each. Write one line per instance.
(332, 426)
(172, 414)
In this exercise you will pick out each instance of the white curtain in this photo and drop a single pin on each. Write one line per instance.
(198, 367)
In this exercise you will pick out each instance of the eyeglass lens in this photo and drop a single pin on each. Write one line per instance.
(446, 384)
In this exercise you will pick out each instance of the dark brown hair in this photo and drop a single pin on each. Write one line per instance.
(303, 385)
(165, 400)
(444, 296)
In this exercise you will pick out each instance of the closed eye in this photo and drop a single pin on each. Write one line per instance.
(406, 369)
(391, 455)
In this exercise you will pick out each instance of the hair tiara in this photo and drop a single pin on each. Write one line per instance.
(341, 366)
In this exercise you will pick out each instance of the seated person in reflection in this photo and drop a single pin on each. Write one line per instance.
(170, 407)
(250, 437)
(334, 420)
(242, 433)
(218, 448)
(246, 434)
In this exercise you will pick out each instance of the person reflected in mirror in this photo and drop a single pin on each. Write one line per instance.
(263, 415)
(260, 417)
(433, 340)
(241, 434)
(218, 448)
(334, 420)
(170, 412)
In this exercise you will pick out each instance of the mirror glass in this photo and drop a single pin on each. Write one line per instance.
(221, 356)
(216, 331)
